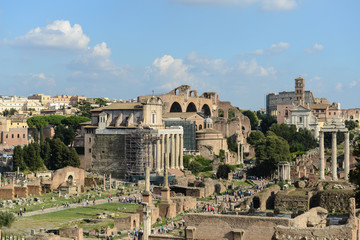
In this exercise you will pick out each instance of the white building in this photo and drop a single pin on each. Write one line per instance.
(303, 117)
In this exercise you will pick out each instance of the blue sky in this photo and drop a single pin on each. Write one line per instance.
(242, 49)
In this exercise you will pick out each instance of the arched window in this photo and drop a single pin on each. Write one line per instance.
(221, 113)
(175, 107)
(191, 107)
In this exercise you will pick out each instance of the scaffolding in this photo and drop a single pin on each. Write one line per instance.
(138, 151)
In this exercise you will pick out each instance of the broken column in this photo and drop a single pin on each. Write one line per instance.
(334, 157)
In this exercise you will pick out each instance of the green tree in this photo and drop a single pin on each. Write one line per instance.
(65, 134)
(101, 101)
(351, 124)
(269, 152)
(45, 152)
(223, 171)
(195, 167)
(61, 156)
(74, 159)
(254, 121)
(254, 137)
(186, 160)
(354, 175)
(74, 121)
(266, 123)
(231, 142)
(32, 157)
(18, 159)
(85, 109)
(231, 113)
(6, 219)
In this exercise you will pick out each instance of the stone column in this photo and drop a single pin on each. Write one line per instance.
(177, 148)
(242, 155)
(347, 157)
(167, 148)
(110, 181)
(181, 152)
(162, 160)
(322, 160)
(172, 151)
(158, 156)
(238, 153)
(334, 157)
(146, 221)
(104, 183)
(151, 158)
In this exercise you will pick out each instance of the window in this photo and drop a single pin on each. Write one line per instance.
(24, 135)
(12, 135)
(153, 118)
(89, 150)
(300, 119)
(18, 136)
(7, 135)
(89, 140)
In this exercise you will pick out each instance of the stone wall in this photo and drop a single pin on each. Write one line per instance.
(93, 181)
(335, 232)
(62, 175)
(21, 192)
(222, 226)
(72, 232)
(34, 189)
(164, 237)
(288, 201)
(332, 200)
(184, 203)
(7, 192)
(108, 154)
(129, 223)
(195, 192)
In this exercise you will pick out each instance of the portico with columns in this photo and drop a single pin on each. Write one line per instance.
(168, 145)
(333, 127)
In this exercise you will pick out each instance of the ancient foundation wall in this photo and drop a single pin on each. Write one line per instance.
(34, 190)
(130, 222)
(21, 192)
(333, 232)
(286, 201)
(332, 200)
(72, 232)
(222, 226)
(7, 193)
(184, 203)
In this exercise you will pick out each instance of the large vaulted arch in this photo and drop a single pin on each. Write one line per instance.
(175, 107)
(206, 110)
(191, 107)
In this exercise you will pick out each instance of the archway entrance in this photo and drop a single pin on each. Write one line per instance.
(175, 107)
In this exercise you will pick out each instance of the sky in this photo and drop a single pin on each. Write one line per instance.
(121, 49)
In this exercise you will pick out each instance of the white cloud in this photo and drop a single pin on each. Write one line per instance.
(353, 84)
(216, 2)
(95, 59)
(208, 64)
(253, 69)
(278, 5)
(169, 72)
(279, 47)
(59, 35)
(315, 48)
(257, 52)
(339, 87)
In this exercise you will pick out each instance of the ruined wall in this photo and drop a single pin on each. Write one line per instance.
(335, 232)
(109, 155)
(332, 200)
(184, 203)
(62, 175)
(72, 232)
(195, 192)
(7, 192)
(129, 223)
(21, 192)
(293, 199)
(34, 189)
(93, 181)
(221, 226)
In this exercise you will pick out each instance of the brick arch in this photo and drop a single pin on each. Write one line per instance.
(205, 109)
(175, 107)
(191, 107)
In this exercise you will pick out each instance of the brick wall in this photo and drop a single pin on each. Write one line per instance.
(21, 192)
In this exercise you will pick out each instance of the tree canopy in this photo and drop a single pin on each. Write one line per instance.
(266, 123)
(254, 121)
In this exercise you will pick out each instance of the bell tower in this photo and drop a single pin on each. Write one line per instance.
(299, 91)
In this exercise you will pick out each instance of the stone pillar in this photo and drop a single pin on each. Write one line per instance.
(167, 151)
(151, 159)
(177, 147)
(165, 191)
(238, 153)
(242, 155)
(110, 181)
(158, 156)
(146, 221)
(181, 152)
(347, 157)
(334, 157)
(162, 160)
(322, 159)
(104, 183)
(147, 194)
(172, 151)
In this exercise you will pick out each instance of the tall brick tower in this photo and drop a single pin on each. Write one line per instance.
(299, 91)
